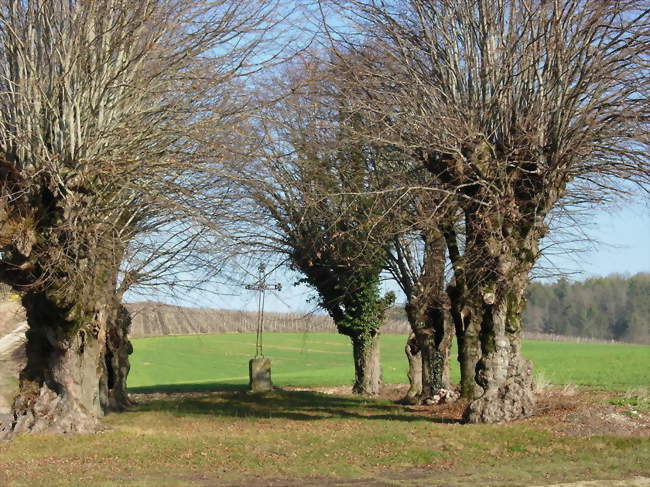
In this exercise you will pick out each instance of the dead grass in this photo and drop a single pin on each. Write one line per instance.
(328, 438)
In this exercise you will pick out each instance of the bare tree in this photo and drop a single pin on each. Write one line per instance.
(510, 104)
(312, 200)
(417, 261)
(104, 107)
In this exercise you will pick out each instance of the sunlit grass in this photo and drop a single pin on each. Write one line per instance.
(321, 359)
(232, 437)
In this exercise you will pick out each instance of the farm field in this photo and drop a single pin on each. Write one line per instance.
(325, 359)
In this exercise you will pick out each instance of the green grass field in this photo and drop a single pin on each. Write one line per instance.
(322, 359)
(224, 437)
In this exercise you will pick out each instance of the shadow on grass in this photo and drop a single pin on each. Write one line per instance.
(234, 401)
(195, 387)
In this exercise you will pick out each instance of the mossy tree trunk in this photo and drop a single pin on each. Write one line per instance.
(434, 349)
(77, 365)
(427, 312)
(467, 328)
(503, 374)
(67, 283)
(433, 335)
(367, 366)
(507, 244)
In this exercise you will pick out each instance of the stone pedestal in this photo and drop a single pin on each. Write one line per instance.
(259, 370)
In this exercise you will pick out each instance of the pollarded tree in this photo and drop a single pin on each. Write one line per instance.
(510, 103)
(417, 261)
(312, 200)
(416, 211)
(103, 109)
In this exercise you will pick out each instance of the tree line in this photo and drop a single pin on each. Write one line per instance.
(606, 308)
(171, 143)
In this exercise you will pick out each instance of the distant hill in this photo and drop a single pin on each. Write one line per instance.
(156, 319)
(614, 308)
(152, 319)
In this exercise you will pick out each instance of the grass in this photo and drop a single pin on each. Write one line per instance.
(322, 359)
(224, 436)
(637, 398)
(234, 438)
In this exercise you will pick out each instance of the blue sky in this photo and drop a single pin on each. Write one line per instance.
(621, 241)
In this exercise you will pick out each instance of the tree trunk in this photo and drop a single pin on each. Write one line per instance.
(367, 368)
(59, 386)
(469, 353)
(433, 341)
(114, 396)
(467, 337)
(503, 374)
(427, 312)
(414, 374)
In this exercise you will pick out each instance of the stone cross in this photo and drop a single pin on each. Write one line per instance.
(259, 367)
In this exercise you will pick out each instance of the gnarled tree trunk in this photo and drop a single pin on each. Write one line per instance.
(507, 244)
(433, 342)
(367, 368)
(502, 372)
(414, 373)
(114, 396)
(467, 327)
(428, 316)
(59, 386)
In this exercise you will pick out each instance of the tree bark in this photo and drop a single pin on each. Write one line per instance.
(59, 386)
(427, 312)
(503, 374)
(507, 247)
(367, 368)
(414, 374)
(467, 329)
(114, 395)
(433, 341)
(469, 353)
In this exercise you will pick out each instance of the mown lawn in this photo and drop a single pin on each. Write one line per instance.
(322, 359)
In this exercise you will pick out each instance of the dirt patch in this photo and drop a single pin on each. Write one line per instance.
(143, 397)
(606, 420)
(586, 413)
(392, 392)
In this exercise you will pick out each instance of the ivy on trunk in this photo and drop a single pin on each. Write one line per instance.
(352, 297)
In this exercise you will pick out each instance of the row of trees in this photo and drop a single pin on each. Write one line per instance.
(465, 125)
(606, 308)
(433, 140)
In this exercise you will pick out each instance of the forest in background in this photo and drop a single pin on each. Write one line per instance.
(606, 308)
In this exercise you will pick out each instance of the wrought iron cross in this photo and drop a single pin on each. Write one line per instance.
(261, 286)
